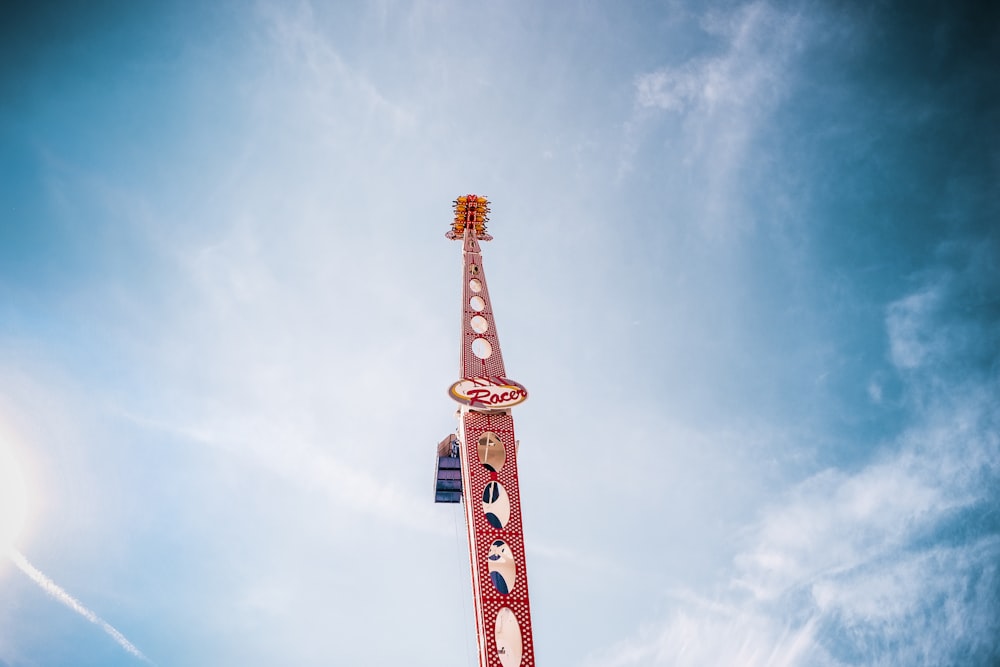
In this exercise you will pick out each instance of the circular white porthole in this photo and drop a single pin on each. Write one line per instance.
(482, 348)
(479, 324)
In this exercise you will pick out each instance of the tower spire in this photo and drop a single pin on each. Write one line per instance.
(486, 450)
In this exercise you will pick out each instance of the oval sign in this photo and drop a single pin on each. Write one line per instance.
(508, 635)
(488, 393)
(496, 505)
(491, 451)
(501, 566)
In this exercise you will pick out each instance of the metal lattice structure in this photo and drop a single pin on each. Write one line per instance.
(478, 464)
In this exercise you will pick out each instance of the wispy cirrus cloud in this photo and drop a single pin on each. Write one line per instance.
(53, 589)
(892, 564)
(324, 79)
(896, 562)
(950, 323)
(281, 447)
(746, 75)
(717, 102)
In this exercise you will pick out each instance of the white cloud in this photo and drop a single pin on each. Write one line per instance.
(893, 563)
(745, 76)
(53, 589)
(875, 391)
(841, 567)
(721, 101)
(911, 341)
(329, 81)
(712, 636)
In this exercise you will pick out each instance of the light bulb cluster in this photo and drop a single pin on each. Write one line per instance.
(472, 212)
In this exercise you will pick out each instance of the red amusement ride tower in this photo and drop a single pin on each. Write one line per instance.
(481, 460)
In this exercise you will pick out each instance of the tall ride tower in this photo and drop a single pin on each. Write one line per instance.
(479, 462)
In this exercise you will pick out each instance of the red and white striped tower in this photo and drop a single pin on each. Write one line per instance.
(487, 451)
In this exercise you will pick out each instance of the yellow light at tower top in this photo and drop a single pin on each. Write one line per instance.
(470, 211)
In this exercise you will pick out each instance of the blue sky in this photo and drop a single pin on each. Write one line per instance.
(746, 263)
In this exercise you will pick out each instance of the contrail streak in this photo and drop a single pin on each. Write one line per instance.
(59, 594)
